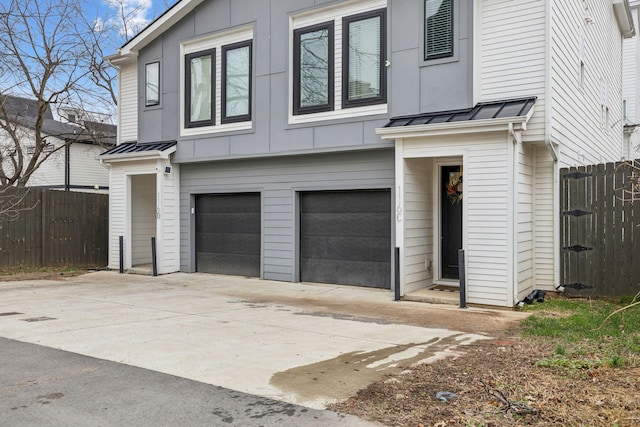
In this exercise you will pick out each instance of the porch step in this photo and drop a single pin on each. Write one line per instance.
(434, 296)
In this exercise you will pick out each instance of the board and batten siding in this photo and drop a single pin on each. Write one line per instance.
(128, 102)
(512, 53)
(486, 204)
(278, 180)
(579, 119)
(418, 223)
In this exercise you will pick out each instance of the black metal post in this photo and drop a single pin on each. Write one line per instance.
(397, 276)
(121, 239)
(153, 256)
(463, 284)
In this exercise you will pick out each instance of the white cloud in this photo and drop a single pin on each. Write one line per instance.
(130, 16)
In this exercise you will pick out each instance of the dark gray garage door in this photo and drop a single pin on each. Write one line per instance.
(345, 237)
(228, 234)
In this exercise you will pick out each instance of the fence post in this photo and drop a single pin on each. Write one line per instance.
(44, 211)
(463, 282)
(121, 242)
(154, 261)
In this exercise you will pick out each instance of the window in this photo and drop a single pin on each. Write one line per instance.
(152, 84)
(313, 69)
(438, 29)
(363, 59)
(357, 79)
(236, 84)
(200, 75)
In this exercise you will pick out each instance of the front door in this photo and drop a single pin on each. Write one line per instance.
(451, 221)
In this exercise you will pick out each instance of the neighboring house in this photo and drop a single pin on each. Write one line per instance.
(631, 90)
(72, 149)
(304, 141)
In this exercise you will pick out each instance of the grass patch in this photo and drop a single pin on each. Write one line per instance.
(583, 340)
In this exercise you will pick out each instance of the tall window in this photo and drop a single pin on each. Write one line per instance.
(363, 55)
(199, 71)
(152, 84)
(313, 69)
(236, 83)
(438, 29)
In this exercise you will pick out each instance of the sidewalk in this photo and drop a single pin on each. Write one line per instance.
(307, 344)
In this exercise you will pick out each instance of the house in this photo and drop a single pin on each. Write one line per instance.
(69, 157)
(305, 140)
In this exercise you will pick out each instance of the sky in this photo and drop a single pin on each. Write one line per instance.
(139, 13)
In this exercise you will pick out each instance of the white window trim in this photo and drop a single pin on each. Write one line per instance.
(335, 14)
(214, 41)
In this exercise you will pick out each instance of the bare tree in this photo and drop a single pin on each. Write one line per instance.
(43, 51)
(12, 203)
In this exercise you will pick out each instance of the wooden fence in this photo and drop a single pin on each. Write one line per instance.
(600, 230)
(53, 229)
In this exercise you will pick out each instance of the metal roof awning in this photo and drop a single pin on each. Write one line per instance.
(484, 116)
(137, 151)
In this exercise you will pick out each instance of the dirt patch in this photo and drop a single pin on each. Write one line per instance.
(21, 275)
(505, 367)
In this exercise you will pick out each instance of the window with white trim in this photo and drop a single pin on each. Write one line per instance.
(438, 29)
(338, 62)
(218, 83)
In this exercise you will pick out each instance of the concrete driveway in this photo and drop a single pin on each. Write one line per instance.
(306, 344)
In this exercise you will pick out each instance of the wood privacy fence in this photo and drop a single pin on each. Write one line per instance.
(600, 230)
(54, 229)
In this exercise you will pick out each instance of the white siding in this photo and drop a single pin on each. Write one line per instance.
(579, 121)
(169, 237)
(418, 224)
(51, 171)
(544, 218)
(85, 168)
(631, 85)
(511, 57)
(128, 103)
(525, 219)
(487, 199)
(117, 211)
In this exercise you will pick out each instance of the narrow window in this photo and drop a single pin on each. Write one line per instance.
(363, 56)
(236, 82)
(438, 29)
(200, 73)
(152, 84)
(313, 69)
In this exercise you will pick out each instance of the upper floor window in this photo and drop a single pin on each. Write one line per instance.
(236, 82)
(338, 62)
(438, 29)
(313, 68)
(200, 75)
(152, 84)
(363, 59)
(218, 80)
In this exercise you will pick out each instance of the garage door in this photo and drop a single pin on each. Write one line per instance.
(345, 237)
(228, 234)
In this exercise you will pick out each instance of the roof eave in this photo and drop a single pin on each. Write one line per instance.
(159, 26)
(622, 11)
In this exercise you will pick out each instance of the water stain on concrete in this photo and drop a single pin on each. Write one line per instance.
(344, 375)
(46, 399)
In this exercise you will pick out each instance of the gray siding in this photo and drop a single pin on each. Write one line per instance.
(278, 180)
(414, 85)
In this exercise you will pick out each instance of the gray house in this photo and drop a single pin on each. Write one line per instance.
(305, 140)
